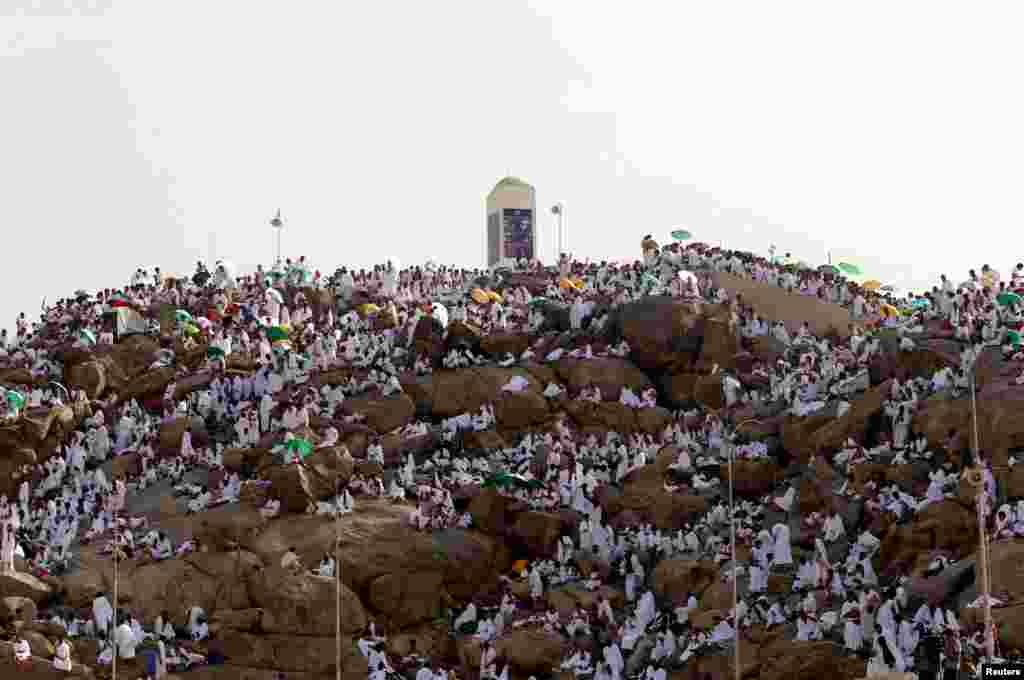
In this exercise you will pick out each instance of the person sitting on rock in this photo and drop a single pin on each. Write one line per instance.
(327, 565)
(272, 508)
(162, 548)
(290, 561)
(22, 653)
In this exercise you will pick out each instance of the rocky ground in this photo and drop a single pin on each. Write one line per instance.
(404, 580)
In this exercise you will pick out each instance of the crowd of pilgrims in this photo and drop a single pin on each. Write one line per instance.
(68, 500)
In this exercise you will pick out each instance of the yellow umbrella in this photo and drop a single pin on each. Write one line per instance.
(368, 308)
(567, 284)
(578, 283)
(871, 285)
(479, 296)
(889, 310)
(492, 296)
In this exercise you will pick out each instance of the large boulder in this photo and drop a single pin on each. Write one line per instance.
(792, 309)
(402, 575)
(1000, 427)
(663, 333)
(293, 485)
(383, 414)
(854, 423)
(609, 374)
(675, 579)
(21, 584)
(303, 604)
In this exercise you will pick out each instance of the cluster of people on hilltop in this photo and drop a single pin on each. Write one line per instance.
(268, 336)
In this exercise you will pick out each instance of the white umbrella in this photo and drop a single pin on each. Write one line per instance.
(440, 312)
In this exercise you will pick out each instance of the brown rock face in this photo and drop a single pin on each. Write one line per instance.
(382, 414)
(663, 333)
(675, 579)
(610, 375)
(999, 426)
(303, 604)
(948, 526)
(772, 302)
(375, 542)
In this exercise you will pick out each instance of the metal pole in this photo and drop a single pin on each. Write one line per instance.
(735, 577)
(982, 533)
(337, 566)
(110, 635)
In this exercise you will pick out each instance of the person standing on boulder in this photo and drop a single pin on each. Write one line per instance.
(102, 614)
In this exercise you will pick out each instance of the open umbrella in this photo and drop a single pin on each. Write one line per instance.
(15, 399)
(1007, 299)
(119, 302)
(88, 336)
(920, 302)
(1013, 337)
(215, 352)
(479, 296)
(537, 301)
(871, 285)
(509, 479)
(828, 269)
(182, 315)
(440, 312)
(275, 295)
(889, 310)
(276, 333)
(303, 447)
(851, 269)
(681, 235)
(191, 329)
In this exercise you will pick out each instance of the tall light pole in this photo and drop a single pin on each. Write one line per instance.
(337, 564)
(983, 556)
(277, 224)
(735, 559)
(111, 634)
(558, 210)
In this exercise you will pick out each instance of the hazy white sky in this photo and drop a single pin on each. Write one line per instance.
(889, 132)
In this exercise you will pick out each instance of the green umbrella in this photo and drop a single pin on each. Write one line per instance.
(182, 315)
(851, 269)
(538, 301)
(303, 447)
(651, 280)
(509, 479)
(15, 399)
(276, 333)
(1007, 298)
(1013, 337)
(88, 336)
(215, 352)
(681, 235)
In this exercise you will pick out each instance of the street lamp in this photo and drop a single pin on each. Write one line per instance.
(983, 556)
(277, 224)
(735, 561)
(558, 210)
(337, 563)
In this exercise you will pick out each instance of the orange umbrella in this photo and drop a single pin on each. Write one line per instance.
(519, 566)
